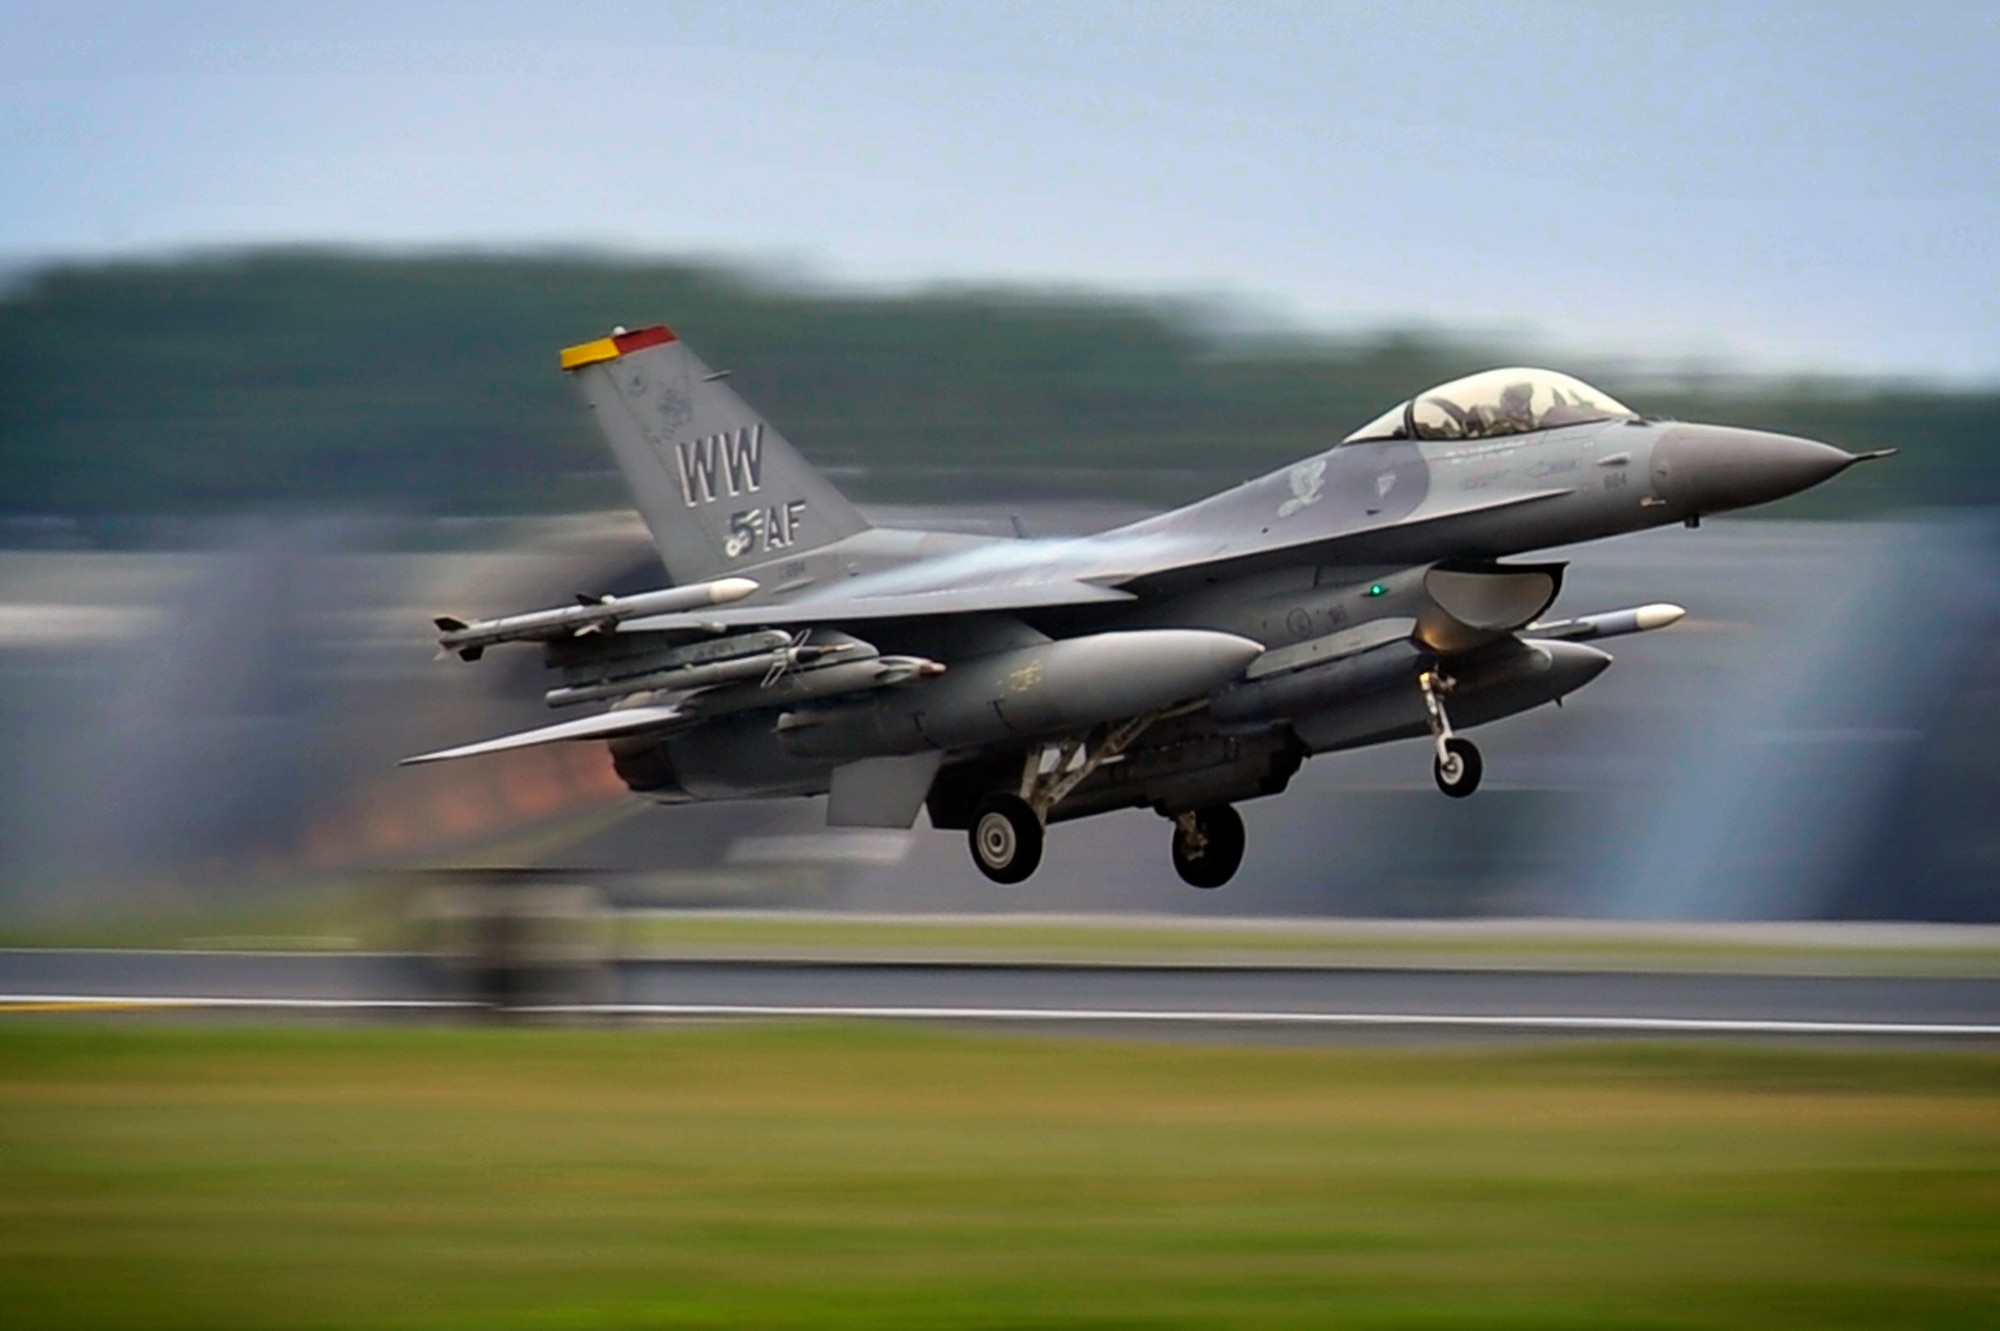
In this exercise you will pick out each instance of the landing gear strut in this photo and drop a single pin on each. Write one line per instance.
(1208, 846)
(1007, 828)
(1456, 765)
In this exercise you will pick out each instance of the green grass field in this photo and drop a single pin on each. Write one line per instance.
(163, 1175)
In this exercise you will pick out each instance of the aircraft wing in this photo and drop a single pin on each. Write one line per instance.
(1421, 538)
(626, 721)
(1122, 572)
(897, 605)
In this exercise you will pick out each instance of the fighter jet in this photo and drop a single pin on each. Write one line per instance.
(1185, 663)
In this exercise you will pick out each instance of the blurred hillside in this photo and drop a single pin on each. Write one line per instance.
(429, 383)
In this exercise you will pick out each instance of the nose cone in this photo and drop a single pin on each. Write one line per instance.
(1710, 468)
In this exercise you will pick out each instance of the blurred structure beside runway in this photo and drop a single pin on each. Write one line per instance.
(1812, 741)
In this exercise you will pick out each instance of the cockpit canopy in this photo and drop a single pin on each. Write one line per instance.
(1496, 402)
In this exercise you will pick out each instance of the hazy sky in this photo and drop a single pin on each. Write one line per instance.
(1785, 184)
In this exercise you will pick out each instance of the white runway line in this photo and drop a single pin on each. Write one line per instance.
(1167, 1017)
(1715, 1025)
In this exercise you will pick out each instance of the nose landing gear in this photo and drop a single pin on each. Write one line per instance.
(1456, 766)
(1208, 846)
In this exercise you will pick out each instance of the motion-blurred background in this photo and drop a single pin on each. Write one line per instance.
(282, 295)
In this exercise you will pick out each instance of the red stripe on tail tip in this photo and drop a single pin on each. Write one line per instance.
(641, 338)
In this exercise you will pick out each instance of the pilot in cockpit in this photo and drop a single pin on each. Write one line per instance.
(1517, 410)
(1514, 413)
(1493, 403)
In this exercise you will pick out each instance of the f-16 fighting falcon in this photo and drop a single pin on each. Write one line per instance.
(1183, 663)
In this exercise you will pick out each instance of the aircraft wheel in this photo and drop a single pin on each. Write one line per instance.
(1208, 854)
(1006, 838)
(1458, 772)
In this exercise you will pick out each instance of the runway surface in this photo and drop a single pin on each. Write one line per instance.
(1218, 1000)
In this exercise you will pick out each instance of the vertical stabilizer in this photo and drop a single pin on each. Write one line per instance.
(720, 488)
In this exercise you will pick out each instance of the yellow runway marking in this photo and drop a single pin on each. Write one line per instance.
(107, 1006)
(196, 1002)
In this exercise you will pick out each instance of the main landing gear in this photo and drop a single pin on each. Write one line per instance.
(1007, 829)
(1456, 765)
(1208, 846)
(1006, 837)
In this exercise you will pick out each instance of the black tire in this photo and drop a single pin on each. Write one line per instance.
(1006, 838)
(1221, 853)
(1461, 776)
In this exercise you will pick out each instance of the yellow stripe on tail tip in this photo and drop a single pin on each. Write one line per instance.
(590, 353)
(622, 342)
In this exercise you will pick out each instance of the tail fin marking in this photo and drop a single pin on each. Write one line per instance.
(720, 488)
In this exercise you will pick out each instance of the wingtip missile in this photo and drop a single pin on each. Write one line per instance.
(1658, 615)
(589, 615)
(1610, 623)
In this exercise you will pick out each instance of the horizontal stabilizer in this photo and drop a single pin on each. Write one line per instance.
(901, 605)
(626, 721)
